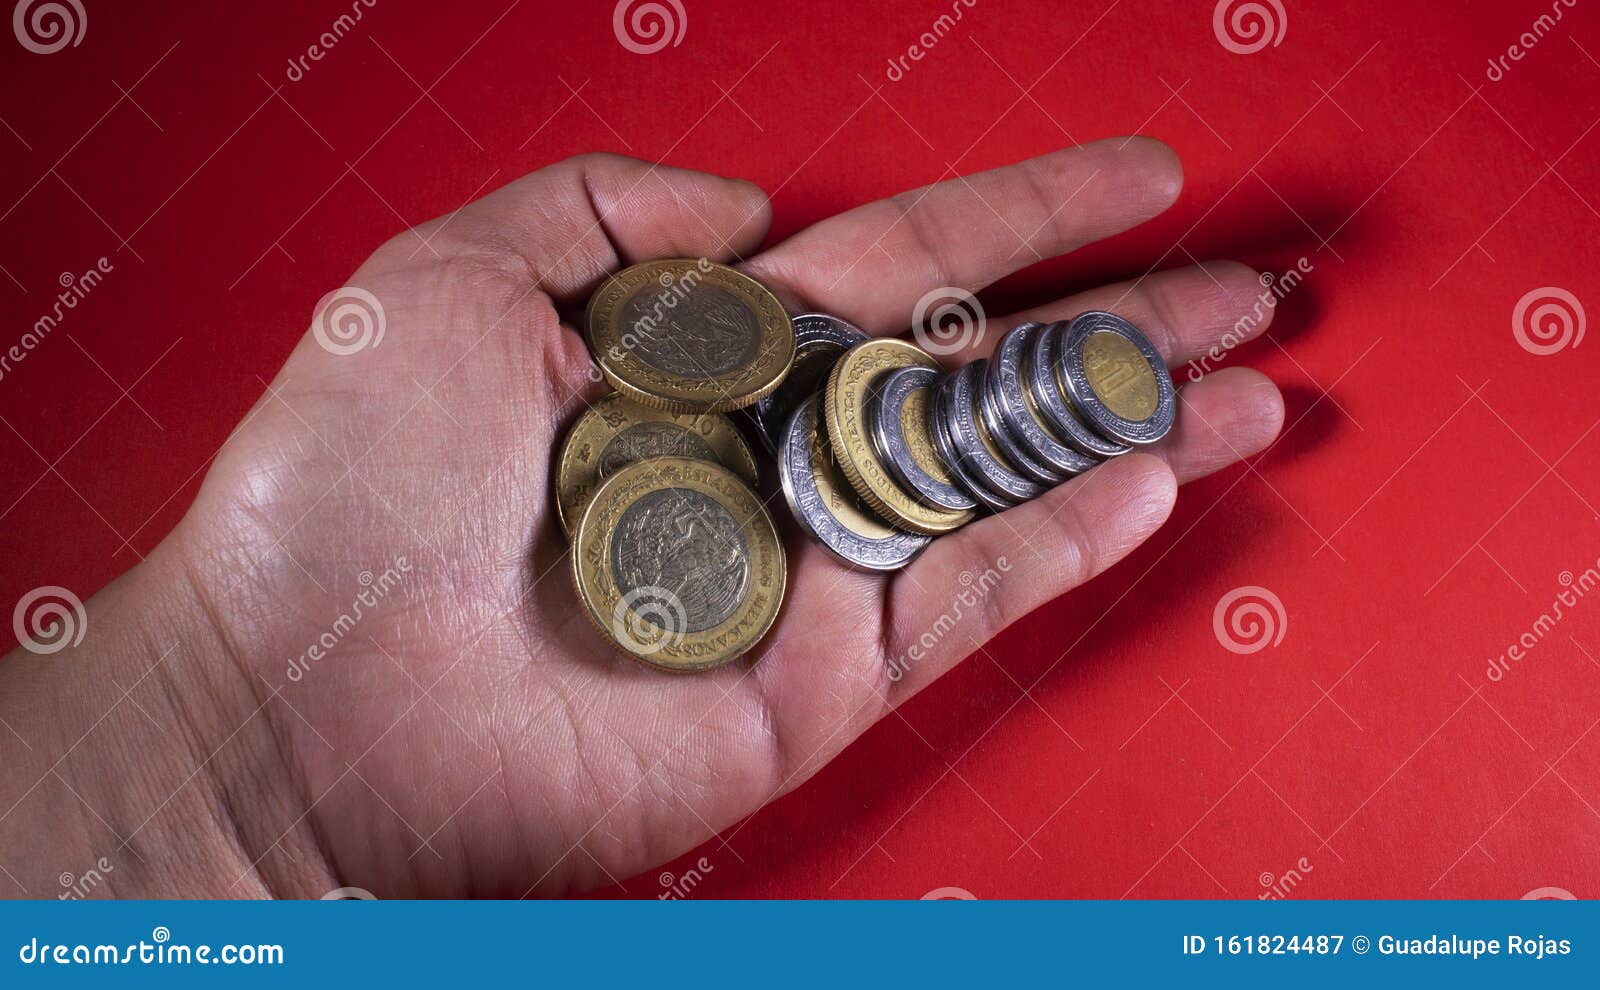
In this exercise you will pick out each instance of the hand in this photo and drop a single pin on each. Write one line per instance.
(359, 659)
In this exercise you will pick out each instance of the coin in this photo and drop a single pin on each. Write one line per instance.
(974, 446)
(616, 431)
(1116, 379)
(1012, 452)
(678, 564)
(902, 437)
(851, 387)
(1010, 398)
(956, 463)
(1044, 386)
(819, 339)
(689, 335)
(827, 507)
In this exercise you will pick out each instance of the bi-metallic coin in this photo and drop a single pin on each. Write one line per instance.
(819, 339)
(974, 444)
(689, 335)
(960, 469)
(851, 388)
(678, 563)
(1011, 399)
(1044, 385)
(825, 504)
(1116, 379)
(616, 431)
(902, 437)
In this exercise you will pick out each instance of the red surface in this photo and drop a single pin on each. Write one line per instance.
(1415, 520)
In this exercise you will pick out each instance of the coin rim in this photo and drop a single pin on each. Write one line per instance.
(1076, 380)
(884, 426)
(651, 386)
(798, 481)
(991, 500)
(870, 477)
(1013, 452)
(565, 515)
(758, 528)
(1007, 383)
(810, 329)
(1039, 373)
(963, 420)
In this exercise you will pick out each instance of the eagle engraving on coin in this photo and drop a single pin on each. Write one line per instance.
(703, 332)
(651, 439)
(682, 543)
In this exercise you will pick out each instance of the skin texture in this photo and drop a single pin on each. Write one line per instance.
(469, 734)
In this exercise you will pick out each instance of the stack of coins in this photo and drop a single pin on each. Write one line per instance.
(676, 559)
(893, 451)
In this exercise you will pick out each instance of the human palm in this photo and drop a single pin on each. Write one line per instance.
(377, 548)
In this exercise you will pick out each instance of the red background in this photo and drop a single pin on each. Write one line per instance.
(1434, 482)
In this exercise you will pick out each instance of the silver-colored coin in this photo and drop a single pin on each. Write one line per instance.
(886, 421)
(1013, 452)
(823, 503)
(953, 461)
(819, 339)
(1108, 386)
(1008, 391)
(973, 441)
(699, 332)
(1039, 373)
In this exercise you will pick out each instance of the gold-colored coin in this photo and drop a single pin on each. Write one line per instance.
(1120, 376)
(616, 431)
(849, 391)
(689, 335)
(678, 563)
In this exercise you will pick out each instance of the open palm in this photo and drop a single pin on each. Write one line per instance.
(377, 545)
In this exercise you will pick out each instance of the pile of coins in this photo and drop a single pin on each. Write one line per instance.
(879, 450)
